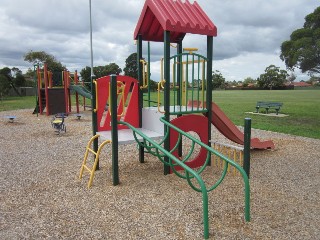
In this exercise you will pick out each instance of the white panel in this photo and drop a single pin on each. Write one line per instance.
(151, 120)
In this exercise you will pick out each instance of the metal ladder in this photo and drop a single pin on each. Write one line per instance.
(96, 160)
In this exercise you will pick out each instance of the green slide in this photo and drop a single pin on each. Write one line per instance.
(81, 90)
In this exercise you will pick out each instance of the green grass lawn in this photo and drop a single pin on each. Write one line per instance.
(302, 106)
(13, 103)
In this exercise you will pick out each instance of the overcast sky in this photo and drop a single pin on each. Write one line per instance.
(250, 32)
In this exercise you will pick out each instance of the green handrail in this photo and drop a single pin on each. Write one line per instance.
(227, 161)
(189, 173)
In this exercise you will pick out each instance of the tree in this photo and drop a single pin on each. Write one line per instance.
(291, 78)
(247, 81)
(272, 78)
(303, 49)
(315, 81)
(43, 57)
(14, 78)
(100, 71)
(218, 81)
(4, 85)
(131, 68)
(18, 78)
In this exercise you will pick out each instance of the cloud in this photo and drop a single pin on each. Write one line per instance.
(249, 32)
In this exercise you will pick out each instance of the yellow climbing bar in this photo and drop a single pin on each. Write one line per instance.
(145, 74)
(97, 103)
(84, 163)
(190, 50)
(120, 91)
(160, 86)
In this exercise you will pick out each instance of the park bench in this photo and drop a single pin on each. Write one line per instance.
(269, 105)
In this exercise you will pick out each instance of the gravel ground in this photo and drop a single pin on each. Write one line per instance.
(42, 197)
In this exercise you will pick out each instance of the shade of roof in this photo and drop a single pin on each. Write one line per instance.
(177, 16)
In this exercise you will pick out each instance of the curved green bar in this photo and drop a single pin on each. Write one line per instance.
(228, 161)
(187, 169)
(161, 152)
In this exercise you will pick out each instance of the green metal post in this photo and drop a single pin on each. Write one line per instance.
(149, 74)
(94, 117)
(167, 93)
(209, 87)
(246, 146)
(114, 130)
(140, 93)
(180, 84)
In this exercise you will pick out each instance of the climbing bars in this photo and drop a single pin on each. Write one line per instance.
(234, 153)
(157, 150)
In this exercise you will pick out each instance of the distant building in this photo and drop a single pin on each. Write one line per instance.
(298, 84)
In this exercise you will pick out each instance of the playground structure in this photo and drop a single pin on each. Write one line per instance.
(54, 91)
(185, 89)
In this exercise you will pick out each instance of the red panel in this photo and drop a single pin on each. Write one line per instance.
(131, 114)
(177, 16)
(194, 123)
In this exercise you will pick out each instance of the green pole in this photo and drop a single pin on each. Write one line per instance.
(180, 84)
(114, 130)
(209, 87)
(179, 80)
(246, 146)
(94, 116)
(140, 93)
(149, 74)
(167, 93)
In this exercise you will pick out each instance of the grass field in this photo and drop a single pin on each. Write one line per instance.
(302, 106)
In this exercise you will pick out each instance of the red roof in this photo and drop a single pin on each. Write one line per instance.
(301, 84)
(175, 16)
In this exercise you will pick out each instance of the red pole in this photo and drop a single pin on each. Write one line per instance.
(46, 88)
(50, 79)
(77, 96)
(39, 90)
(65, 82)
(69, 95)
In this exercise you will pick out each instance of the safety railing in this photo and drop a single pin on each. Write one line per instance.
(187, 81)
(188, 173)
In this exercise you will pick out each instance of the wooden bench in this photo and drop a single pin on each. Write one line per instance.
(269, 105)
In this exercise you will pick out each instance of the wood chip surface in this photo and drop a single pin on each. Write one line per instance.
(41, 196)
